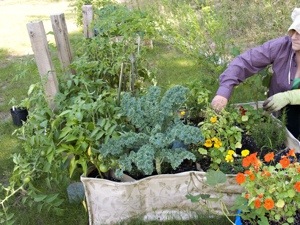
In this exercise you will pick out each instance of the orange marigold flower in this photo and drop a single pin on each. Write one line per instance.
(250, 174)
(269, 204)
(269, 157)
(297, 186)
(251, 160)
(246, 162)
(257, 203)
(291, 152)
(260, 195)
(266, 173)
(247, 196)
(285, 162)
(240, 178)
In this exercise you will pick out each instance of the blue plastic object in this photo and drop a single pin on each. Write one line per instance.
(238, 219)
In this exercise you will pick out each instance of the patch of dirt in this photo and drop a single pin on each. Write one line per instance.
(4, 116)
(15, 14)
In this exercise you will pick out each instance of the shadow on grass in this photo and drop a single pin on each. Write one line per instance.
(201, 220)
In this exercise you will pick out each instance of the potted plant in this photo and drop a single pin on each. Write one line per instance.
(19, 115)
(149, 144)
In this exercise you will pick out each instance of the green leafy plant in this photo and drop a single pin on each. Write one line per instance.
(116, 54)
(153, 126)
(225, 131)
(221, 135)
(271, 188)
(59, 142)
(118, 20)
(197, 100)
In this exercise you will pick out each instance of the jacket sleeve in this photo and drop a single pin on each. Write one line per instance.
(247, 64)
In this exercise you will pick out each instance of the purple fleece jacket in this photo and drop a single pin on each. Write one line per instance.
(277, 52)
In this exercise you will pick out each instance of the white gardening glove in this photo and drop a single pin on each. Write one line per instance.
(219, 102)
(280, 100)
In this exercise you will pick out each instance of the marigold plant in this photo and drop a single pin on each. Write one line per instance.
(222, 136)
(271, 188)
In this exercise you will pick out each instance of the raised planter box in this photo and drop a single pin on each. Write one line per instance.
(159, 197)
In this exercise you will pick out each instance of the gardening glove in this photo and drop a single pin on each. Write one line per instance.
(219, 102)
(280, 100)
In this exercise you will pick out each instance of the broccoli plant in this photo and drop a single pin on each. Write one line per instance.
(154, 125)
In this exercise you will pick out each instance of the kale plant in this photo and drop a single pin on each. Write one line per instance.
(154, 125)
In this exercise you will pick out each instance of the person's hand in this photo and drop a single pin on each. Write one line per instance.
(219, 102)
(280, 100)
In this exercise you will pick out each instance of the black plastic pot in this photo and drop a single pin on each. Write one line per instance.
(19, 115)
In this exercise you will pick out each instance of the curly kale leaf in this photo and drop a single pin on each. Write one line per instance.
(125, 143)
(142, 112)
(173, 99)
(186, 133)
(125, 164)
(176, 156)
(144, 159)
(151, 109)
(160, 140)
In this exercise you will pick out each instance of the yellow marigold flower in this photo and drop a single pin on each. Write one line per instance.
(229, 158)
(245, 152)
(213, 119)
(215, 139)
(230, 152)
(182, 113)
(218, 144)
(208, 143)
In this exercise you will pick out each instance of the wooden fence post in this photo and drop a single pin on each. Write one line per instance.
(43, 60)
(62, 40)
(87, 12)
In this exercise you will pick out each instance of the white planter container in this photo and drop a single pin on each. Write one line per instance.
(159, 197)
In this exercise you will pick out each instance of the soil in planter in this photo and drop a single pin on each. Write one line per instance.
(185, 166)
(249, 143)
(95, 174)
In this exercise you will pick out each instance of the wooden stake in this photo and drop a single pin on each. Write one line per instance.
(62, 40)
(43, 60)
(87, 11)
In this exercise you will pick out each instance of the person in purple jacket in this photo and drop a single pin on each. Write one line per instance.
(283, 54)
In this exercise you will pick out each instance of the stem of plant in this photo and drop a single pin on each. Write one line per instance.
(158, 165)
(225, 214)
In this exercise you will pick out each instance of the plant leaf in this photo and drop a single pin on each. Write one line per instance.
(215, 177)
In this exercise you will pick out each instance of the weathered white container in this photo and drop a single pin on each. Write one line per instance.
(158, 197)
